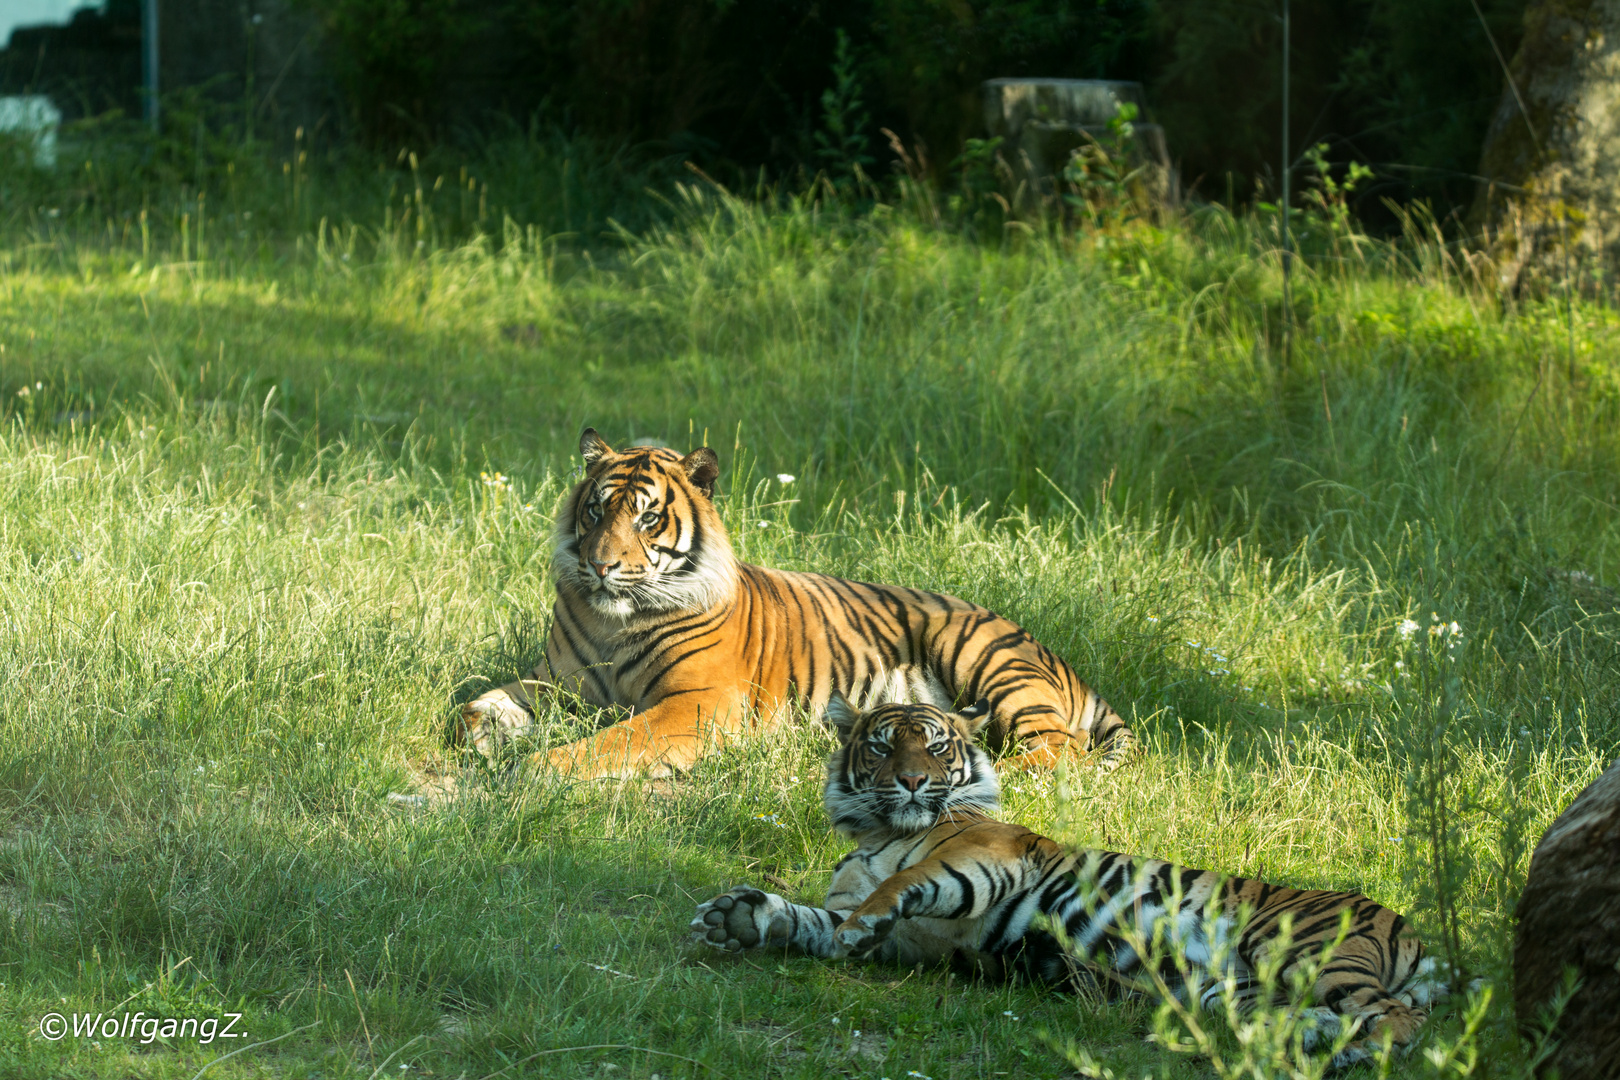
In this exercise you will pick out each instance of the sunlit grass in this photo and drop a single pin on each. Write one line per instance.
(248, 566)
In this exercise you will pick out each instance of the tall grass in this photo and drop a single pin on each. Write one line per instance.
(248, 565)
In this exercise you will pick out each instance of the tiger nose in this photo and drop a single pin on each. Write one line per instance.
(912, 781)
(602, 568)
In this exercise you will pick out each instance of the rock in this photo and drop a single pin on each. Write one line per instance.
(1548, 203)
(1569, 916)
(1043, 121)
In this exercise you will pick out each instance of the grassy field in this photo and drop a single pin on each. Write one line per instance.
(271, 506)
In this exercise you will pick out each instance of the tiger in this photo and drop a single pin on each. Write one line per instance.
(655, 614)
(935, 877)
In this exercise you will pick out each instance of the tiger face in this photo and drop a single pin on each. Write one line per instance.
(640, 534)
(900, 767)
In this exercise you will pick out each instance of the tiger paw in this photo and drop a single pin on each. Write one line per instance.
(744, 918)
(860, 934)
(491, 722)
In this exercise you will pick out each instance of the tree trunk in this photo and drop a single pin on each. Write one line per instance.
(1569, 917)
(1549, 201)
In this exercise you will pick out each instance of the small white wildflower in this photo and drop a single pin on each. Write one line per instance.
(300, 506)
(1400, 665)
(1009, 1012)
(835, 1019)
(855, 1034)
(1524, 731)
(1454, 629)
(39, 386)
(785, 478)
(764, 524)
(918, 1075)
(1406, 629)
(1152, 618)
(25, 392)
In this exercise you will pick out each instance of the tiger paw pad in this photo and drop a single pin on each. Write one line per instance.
(737, 920)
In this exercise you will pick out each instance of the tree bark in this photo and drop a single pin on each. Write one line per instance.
(1549, 200)
(1569, 917)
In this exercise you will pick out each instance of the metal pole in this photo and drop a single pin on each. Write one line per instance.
(149, 59)
(1288, 306)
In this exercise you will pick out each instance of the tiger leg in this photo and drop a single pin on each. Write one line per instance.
(932, 888)
(668, 736)
(1045, 735)
(490, 722)
(494, 719)
(1040, 706)
(748, 918)
(1353, 985)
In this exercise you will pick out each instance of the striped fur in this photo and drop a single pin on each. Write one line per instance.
(655, 614)
(936, 877)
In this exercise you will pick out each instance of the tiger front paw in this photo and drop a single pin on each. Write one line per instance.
(491, 722)
(861, 934)
(744, 918)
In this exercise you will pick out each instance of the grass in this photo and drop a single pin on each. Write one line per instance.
(248, 566)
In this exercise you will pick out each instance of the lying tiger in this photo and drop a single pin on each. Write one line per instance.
(936, 877)
(655, 614)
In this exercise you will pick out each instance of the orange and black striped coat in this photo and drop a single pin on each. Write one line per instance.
(935, 876)
(656, 615)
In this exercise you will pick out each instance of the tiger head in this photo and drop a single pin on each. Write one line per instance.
(639, 534)
(899, 767)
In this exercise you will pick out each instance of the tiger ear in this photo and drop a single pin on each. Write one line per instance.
(840, 714)
(592, 446)
(702, 468)
(977, 715)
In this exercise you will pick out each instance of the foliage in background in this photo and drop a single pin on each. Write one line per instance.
(739, 85)
(845, 133)
(1404, 87)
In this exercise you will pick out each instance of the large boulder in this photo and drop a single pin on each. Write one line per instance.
(1569, 916)
(1042, 122)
